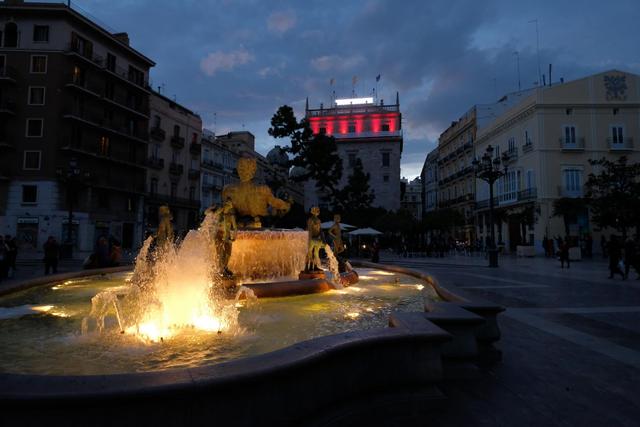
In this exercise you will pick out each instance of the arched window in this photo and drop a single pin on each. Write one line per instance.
(10, 34)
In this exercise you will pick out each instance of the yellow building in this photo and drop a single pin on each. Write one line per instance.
(549, 136)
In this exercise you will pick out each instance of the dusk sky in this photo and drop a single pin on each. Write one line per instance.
(243, 59)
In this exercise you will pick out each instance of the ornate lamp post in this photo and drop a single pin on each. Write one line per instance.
(488, 169)
(74, 181)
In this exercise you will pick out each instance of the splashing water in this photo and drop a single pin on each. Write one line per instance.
(333, 267)
(177, 287)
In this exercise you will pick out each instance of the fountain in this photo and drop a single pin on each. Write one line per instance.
(194, 319)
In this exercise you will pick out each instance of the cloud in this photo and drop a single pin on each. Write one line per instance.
(281, 22)
(225, 61)
(336, 62)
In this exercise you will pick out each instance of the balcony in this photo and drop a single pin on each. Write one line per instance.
(625, 145)
(510, 155)
(176, 169)
(528, 194)
(8, 74)
(155, 163)
(158, 134)
(7, 107)
(212, 164)
(573, 193)
(77, 82)
(195, 148)
(97, 120)
(576, 144)
(528, 146)
(177, 141)
(127, 77)
(86, 54)
(194, 174)
(129, 105)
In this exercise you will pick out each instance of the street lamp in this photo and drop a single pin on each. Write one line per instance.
(74, 181)
(488, 169)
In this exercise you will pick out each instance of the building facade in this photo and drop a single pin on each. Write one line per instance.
(366, 131)
(74, 102)
(429, 178)
(456, 185)
(174, 162)
(412, 197)
(549, 138)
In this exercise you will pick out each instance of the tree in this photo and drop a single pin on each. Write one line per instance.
(317, 154)
(569, 208)
(614, 194)
(356, 195)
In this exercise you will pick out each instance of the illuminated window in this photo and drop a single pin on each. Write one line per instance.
(103, 146)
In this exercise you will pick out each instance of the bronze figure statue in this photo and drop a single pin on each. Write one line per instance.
(315, 240)
(253, 200)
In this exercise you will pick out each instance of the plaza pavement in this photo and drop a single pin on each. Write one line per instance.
(570, 342)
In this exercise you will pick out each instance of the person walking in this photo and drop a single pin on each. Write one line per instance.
(4, 253)
(12, 254)
(630, 257)
(564, 252)
(615, 256)
(51, 255)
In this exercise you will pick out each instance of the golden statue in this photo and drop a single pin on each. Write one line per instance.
(165, 229)
(336, 235)
(250, 199)
(315, 240)
(224, 219)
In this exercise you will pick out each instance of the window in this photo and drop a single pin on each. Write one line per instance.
(103, 146)
(175, 156)
(30, 194)
(41, 33)
(38, 64)
(572, 182)
(155, 151)
(36, 95)
(109, 90)
(136, 76)
(385, 178)
(156, 121)
(569, 111)
(512, 144)
(527, 140)
(617, 135)
(176, 130)
(570, 134)
(352, 128)
(111, 62)
(322, 130)
(174, 189)
(31, 160)
(153, 186)
(11, 35)
(385, 127)
(194, 138)
(531, 180)
(192, 193)
(34, 128)
(386, 159)
(352, 160)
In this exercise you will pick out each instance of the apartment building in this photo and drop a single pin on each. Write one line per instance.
(74, 113)
(429, 178)
(549, 136)
(412, 197)
(174, 164)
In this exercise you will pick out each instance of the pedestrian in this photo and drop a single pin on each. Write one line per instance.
(630, 256)
(375, 251)
(4, 251)
(564, 252)
(615, 256)
(603, 246)
(51, 255)
(12, 254)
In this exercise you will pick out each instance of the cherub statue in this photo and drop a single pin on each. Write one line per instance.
(315, 240)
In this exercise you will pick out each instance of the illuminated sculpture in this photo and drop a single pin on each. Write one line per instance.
(315, 240)
(336, 235)
(252, 200)
(165, 229)
(224, 221)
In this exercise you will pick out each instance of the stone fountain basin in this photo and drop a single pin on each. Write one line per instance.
(383, 375)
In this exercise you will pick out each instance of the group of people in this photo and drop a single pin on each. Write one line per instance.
(622, 256)
(8, 255)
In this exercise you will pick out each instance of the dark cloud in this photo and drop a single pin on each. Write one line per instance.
(243, 59)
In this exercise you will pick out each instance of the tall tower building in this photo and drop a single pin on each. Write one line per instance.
(368, 131)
